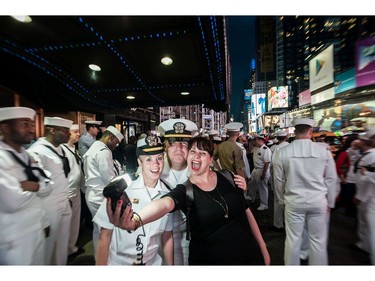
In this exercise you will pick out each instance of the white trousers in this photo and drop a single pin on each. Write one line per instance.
(363, 227)
(256, 184)
(370, 215)
(27, 250)
(59, 215)
(75, 221)
(278, 210)
(317, 231)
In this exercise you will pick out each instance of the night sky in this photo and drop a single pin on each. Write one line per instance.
(240, 32)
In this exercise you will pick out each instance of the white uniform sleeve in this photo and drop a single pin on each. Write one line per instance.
(331, 180)
(106, 166)
(101, 216)
(279, 178)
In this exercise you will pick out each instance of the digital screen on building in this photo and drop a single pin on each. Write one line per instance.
(247, 94)
(278, 97)
(258, 105)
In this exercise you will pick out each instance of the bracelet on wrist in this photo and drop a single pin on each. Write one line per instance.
(138, 222)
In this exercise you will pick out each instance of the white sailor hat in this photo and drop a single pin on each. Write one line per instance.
(303, 121)
(7, 113)
(213, 133)
(233, 126)
(93, 122)
(57, 122)
(181, 129)
(270, 142)
(115, 132)
(367, 135)
(74, 127)
(281, 133)
(216, 139)
(150, 145)
(256, 136)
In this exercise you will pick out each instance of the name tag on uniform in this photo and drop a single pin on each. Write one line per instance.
(134, 200)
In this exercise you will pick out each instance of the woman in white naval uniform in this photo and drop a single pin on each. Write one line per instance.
(117, 246)
(23, 220)
(177, 133)
(57, 206)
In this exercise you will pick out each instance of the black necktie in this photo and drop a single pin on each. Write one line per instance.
(77, 157)
(28, 169)
(63, 158)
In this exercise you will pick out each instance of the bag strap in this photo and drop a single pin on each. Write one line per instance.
(228, 175)
(166, 185)
(189, 201)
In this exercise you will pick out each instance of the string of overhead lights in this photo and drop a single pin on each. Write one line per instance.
(121, 58)
(52, 70)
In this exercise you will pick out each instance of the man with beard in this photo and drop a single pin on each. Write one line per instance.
(23, 223)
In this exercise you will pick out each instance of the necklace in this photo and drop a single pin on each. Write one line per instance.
(226, 209)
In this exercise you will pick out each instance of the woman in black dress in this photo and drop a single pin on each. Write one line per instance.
(223, 229)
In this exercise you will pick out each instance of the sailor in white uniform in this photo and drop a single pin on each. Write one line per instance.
(177, 133)
(99, 169)
(23, 182)
(306, 182)
(48, 149)
(76, 181)
(278, 210)
(119, 247)
(86, 140)
(365, 194)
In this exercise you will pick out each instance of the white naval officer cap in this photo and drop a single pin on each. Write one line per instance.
(367, 135)
(213, 133)
(303, 121)
(256, 136)
(177, 128)
(8, 113)
(57, 122)
(93, 122)
(281, 133)
(115, 132)
(233, 126)
(74, 127)
(150, 145)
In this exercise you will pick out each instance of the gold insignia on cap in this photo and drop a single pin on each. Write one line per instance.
(179, 127)
(151, 141)
(134, 200)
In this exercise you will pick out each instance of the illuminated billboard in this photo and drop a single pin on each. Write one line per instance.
(278, 97)
(258, 105)
(365, 62)
(247, 94)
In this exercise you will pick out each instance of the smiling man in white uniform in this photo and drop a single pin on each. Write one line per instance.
(306, 183)
(177, 133)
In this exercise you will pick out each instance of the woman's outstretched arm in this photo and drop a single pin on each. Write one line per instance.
(151, 212)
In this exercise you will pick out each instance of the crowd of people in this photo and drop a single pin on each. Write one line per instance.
(189, 194)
